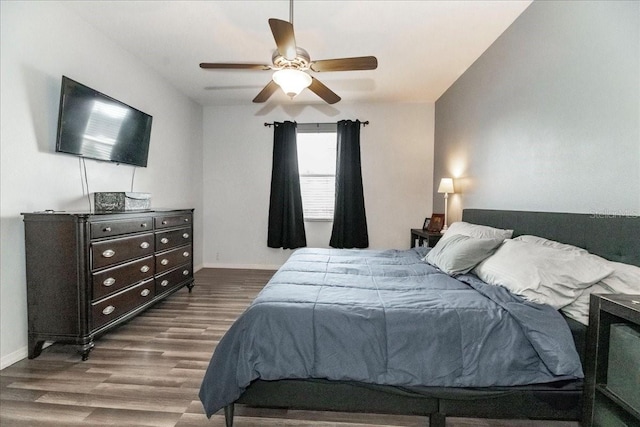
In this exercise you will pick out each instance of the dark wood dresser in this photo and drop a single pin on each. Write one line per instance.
(89, 272)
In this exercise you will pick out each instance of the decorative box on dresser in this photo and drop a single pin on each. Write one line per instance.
(89, 272)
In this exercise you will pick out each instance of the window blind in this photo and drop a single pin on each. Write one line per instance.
(318, 196)
(317, 169)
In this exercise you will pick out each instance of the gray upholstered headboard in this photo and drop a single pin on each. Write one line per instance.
(616, 238)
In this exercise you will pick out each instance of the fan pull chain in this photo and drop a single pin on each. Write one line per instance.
(291, 11)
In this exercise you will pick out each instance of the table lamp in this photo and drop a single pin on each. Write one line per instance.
(446, 187)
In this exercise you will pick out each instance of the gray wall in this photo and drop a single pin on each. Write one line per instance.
(548, 118)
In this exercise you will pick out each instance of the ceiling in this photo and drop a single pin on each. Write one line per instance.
(422, 46)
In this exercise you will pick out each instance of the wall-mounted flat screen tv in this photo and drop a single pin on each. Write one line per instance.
(94, 125)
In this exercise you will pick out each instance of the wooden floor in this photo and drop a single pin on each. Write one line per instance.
(148, 371)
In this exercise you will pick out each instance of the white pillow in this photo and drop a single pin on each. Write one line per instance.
(625, 279)
(474, 230)
(459, 254)
(550, 243)
(579, 309)
(540, 273)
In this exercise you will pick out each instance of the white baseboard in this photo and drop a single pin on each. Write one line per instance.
(18, 355)
(243, 266)
(14, 357)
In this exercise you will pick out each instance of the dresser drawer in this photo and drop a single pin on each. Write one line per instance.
(113, 279)
(173, 258)
(170, 239)
(111, 308)
(113, 251)
(173, 278)
(172, 221)
(116, 227)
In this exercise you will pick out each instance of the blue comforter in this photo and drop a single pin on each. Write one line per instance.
(387, 317)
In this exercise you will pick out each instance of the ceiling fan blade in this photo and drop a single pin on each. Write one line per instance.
(266, 92)
(323, 92)
(345, 64)
(222, 66)
(284, 37)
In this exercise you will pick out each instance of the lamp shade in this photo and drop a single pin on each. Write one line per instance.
(292, 81)
(446, 185)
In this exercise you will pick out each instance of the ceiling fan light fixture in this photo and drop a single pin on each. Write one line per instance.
(292, 81)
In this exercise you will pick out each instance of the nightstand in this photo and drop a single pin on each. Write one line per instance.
(422, 235)
(612, 366)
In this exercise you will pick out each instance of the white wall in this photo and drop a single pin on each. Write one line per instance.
(397, 162)
(41, 41)
(548, 118)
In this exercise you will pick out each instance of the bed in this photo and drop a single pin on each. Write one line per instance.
(318, 365)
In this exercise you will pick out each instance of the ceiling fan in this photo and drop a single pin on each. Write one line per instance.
(291, 64)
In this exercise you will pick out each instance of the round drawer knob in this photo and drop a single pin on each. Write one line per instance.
(186, 220)
(164, 283)
(143, 225)
(185, 235)
(108, 253)
(164, 222)
(108, 310)
(185, 254)
(164, 261)
(164, 240)
(108, 282)
(144, 268)
(106, 229)
(145, 292)
(144, 245)
(185, 273)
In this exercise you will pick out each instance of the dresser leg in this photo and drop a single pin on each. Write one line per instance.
(35, 348)
(190, 286)
(86, 349)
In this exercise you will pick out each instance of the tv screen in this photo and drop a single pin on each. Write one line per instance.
(94, 125)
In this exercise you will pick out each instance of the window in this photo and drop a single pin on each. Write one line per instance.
(317, 168)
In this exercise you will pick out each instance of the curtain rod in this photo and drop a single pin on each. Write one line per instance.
(362, 123)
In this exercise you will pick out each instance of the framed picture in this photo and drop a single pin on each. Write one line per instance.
(436, 223)
(426, 223)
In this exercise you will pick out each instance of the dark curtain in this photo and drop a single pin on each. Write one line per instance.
(349, 218)
(286, 220)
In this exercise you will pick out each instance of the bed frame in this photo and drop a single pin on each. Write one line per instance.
(614, 237)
